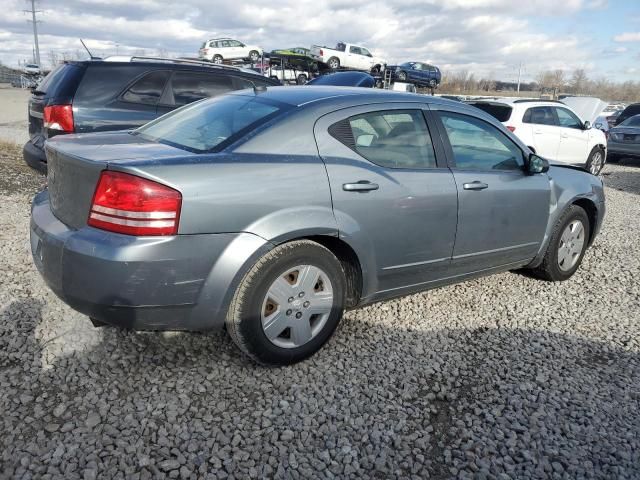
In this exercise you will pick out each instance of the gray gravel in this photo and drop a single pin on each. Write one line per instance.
(503, 377)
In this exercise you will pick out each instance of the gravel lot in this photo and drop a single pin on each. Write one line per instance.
(503, 377)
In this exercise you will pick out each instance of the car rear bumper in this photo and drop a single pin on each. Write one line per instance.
(616, 148)
(35, 157)
(182, 282)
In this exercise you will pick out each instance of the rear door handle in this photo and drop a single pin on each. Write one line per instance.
(477, 185)
(360, 186)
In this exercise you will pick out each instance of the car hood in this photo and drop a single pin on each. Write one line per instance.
(587, 108)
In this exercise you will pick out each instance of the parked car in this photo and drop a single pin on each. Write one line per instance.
(121, 93)
(217, 50)
(403, 87)
(272, 211)
(418, 73)
(344, 79)
(624, 139)
(630, 111)
(602, 124)
(32, 69)
(347, 55)
(551, 129)
(287, 74)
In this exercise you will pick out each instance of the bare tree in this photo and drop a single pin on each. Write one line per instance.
(579, 81)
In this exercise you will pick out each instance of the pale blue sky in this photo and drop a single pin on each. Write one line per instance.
(481, 36)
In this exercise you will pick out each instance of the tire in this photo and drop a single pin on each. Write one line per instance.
(302, 79)
(596, 160)
(432, 84)
(402, 76)
(254, 56)
(333, 63)
(274, 272)
(217, 59)
(554, 267)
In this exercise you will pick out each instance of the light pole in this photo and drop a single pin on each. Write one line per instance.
(33, 12)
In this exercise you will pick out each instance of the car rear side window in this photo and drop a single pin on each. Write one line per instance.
(539, 116)
(478, 145)
(188, 87)
(500, 112)
(147, 89)
(211, 124)
(392, 139)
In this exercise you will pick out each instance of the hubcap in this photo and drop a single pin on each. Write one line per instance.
(217, 60)
(596, 163)
(333, 64)
(297, 306)
(571, 243)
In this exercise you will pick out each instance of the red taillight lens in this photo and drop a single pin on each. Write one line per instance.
(124, 203)
(321, 53)
(59, 117)
(510, 128)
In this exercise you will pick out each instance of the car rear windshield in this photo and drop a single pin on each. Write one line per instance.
(501, 112)
(209, 125)
(57, 77)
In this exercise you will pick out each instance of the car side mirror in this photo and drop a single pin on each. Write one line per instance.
(586, 125)
(537, 164)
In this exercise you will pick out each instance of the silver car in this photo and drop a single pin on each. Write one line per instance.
(270, 211)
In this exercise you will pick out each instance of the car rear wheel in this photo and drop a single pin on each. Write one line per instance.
(217, 59)
(595, 162)
(402, 76)
(432, 84)
(566, 247)
(289, 303)
(254, 56)
(334, 63)
(302, 79)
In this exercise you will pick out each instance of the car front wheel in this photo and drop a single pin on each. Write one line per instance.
(254, 56)
(289, 303)
(595, 162)
(566, 247)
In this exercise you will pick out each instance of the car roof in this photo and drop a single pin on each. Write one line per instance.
(302, 95)
(515, 101)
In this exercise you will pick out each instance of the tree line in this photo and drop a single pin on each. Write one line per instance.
(548, 82)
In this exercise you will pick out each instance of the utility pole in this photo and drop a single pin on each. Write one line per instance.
(33, 20)
(519, 76)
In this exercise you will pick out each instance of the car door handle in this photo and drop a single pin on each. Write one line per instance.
(360, 186)
(475, 186)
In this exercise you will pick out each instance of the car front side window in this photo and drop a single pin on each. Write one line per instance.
(567, 119)
(391, 139)
(477, 145)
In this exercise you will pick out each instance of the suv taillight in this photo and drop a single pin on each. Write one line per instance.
(510, 128)
(59, 117)
(132, 205)
(321, 53)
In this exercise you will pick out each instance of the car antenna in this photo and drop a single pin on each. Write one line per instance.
(88, 51)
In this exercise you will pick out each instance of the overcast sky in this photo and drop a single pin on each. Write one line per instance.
(482, 36)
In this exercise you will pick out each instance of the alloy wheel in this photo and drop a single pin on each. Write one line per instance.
(596, 163)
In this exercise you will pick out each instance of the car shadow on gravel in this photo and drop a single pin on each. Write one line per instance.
(379, 401)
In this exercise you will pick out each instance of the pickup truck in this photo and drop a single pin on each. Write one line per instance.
(347, 55)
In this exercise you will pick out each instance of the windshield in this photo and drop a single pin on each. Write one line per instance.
(209, 124)
(631, 122)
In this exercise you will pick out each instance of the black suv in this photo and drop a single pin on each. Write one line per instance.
(95, 96)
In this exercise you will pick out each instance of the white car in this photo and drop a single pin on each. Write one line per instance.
(347, 55)
(32, 69)
(551, 129)
(218, 49)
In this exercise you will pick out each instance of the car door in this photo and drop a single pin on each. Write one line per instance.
(502, 211)
(574, 139)
(544, 132)
(367, 59)
(393, 200)
(237, 49)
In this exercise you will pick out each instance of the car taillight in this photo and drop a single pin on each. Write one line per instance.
(321, 53)
(510, 128)
(125, 203)
(59, 117)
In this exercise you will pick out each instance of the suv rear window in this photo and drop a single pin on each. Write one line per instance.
(210, 124)
(56, 78)
(500, 112)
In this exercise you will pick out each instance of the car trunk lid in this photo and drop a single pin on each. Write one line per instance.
(76, 161)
